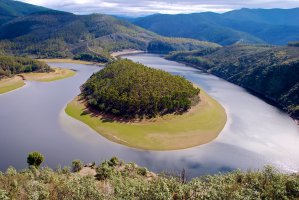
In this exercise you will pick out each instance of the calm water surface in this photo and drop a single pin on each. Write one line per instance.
(33, 119)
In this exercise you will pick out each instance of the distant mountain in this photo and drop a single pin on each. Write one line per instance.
(252, 26)
(271, 72)
(60, 34)
(10, 9)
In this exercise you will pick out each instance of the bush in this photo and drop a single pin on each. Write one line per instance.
(104, 171)
(35, 159)
(77, 165)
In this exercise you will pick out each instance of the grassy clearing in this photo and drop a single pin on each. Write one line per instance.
(200, 125)
(9, 84)
(67, 61)
(58, 74)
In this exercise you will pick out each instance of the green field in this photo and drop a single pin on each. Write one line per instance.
(200, 125)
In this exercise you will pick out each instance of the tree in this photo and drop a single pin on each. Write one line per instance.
(35, 159)
(77, 165)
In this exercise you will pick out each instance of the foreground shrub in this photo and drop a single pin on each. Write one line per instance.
(77, 165)
(35, 159)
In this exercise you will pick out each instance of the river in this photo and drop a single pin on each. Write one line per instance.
(256, 134)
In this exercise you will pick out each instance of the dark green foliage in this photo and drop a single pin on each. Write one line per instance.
(274, 26)
(13, 9)
(129, 89)
(77, 165)
(269, 71)
(10, 66)
(35, 159)
(92, 58)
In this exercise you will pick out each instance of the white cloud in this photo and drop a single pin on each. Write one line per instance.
(144, 7)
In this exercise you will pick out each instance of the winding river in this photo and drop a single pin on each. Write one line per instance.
(32, 119)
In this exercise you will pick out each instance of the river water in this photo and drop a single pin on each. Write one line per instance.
(257, 134)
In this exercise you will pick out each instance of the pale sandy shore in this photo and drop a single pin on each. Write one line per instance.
(125, 52)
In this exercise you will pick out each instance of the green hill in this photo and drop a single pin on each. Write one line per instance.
(59, 34)
(117, 90)
(12, 9)
(273, 26)
(271, 72)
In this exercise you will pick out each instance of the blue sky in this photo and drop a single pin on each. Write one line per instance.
(146, 7)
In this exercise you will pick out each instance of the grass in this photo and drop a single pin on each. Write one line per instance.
(9, 84)
(56, 60)
(200, 125)
(58, 74)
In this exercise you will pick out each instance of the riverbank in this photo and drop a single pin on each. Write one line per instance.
(200, 125)
(125, 52)
(65, 60)
(10, 84)
(58, 74)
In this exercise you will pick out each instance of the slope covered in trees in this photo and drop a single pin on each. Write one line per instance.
(273, 26)
(12, 9)
(272, 72)
(56, 34)
(10, 66)
(129, 89)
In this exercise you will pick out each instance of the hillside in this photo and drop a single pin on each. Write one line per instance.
(273, 26)
(271, 72)
(60, 34)
(114, 179)
(12, 9)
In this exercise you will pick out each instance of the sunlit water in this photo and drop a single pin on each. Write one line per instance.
(256, 134)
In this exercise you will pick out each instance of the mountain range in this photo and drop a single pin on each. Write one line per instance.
(41, 32)
(251, 26)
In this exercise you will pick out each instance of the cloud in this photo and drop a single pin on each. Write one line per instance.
(145, 7)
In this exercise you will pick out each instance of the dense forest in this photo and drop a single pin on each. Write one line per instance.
(130, 90)
(271, 72)
(10, 65)
(249, 26)
(114, 179)
(54, 34)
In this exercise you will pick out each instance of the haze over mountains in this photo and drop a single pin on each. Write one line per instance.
(273, 26)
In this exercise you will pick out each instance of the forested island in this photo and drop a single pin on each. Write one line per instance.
(115, 179)
(268, 71)
(174, 114)
(128, 89)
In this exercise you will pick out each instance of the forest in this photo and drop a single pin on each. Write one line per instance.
(11, 65)
(271, 72)
(130, 90)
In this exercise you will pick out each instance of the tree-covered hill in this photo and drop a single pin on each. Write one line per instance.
(114, 179)
(130, 90)
(273, 26)
(59, 34)
(271, 72)
(12, 9)
(10, 66)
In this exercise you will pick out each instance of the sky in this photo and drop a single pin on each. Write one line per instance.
(146, 7)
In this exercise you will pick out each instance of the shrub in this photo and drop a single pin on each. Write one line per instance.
(35, 159)
(77, 165)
